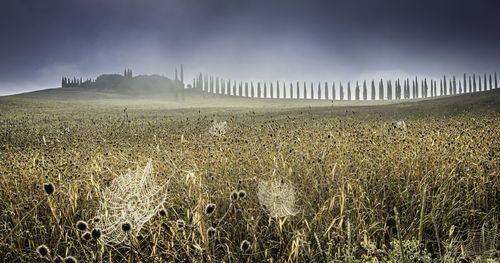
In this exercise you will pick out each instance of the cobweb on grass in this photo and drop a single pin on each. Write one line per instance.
(218, 128)
(133, 197)
(277, 198)
(482, 242)
(479, 242)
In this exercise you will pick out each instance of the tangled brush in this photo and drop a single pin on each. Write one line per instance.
(133, 198)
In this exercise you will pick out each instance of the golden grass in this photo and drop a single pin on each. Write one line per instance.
(358, 179)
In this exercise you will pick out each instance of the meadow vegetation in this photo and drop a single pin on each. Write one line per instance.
(292, 184)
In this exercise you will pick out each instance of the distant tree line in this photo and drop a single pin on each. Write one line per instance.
(387, 90)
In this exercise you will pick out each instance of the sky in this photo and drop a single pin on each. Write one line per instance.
(267, 40)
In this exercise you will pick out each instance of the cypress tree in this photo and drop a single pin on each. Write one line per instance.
(278, 89)
(479, 81)
(265, 90)
(373, 89)
(491, 83)
(319, 91)
(460, 87)
(326, 90)
(341, 91)
(496, 81)
(252, 91)
(441, 88)
(445, 88)
(365, 91)
(381, 90)
(305, 90)
(356, 91)
(389, 90)
(272, 91)
(454, 85)
(348, 90)
(465, 83)
(333, 91)
(474, 85)
(485, 86)
(258, 90)
(469, 90)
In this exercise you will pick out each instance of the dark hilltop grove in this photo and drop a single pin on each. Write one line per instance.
(249, 131)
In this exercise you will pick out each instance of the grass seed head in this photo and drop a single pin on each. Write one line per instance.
(245, 245)
(49, 188)
(126, 226)
(210, 208)
(43, 250)
(81, 225)
(96, 233)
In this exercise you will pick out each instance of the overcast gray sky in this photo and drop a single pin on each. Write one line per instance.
(245, 40)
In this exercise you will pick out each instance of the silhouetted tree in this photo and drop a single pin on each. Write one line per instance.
(265, 90)
(258, 90)
(326, 90)
(341, 91)
(272, 91)
(381, 90)
(496, 81)
(182, 75)
(389, 90)
(465, 84)
(480, 88)
(319, 90)
(460, 87)
(348, 90)
(454, 85)
(445, 88)
(491, 83)
(333, 91)
(373, 89)
(305, 90)
(474, 85)
(278, 89)
(485, 86)
(356, 91)
(365, 91)
(252, 91)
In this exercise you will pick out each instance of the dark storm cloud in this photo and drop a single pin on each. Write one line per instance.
(293, 40)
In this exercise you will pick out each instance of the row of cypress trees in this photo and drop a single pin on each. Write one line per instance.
(388, 90)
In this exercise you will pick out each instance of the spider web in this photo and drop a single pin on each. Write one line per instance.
(277, 198)
(131, 197)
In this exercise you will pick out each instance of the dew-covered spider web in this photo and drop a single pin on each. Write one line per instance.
(134, 197)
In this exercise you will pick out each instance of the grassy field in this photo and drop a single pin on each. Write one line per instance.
(286, 181)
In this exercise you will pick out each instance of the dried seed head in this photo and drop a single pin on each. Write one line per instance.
(162, 212)
(43, 250)
(234, 196)
(210, 208)
(180, 223)
(242, 194)
(86, 236)
(70, 259)
(96, 233)
(245, 245)
(49, 188)
(126, 226)
(211, 232)
(81, 225)
(96, 219)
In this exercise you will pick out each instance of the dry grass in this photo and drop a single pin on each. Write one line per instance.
(360, 181)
